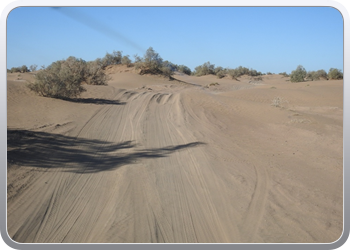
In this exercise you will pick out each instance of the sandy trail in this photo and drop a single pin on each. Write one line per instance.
(175, 162)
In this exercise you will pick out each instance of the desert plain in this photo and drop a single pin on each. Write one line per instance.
(194, 159)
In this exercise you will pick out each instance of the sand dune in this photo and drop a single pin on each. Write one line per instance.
(146, 159)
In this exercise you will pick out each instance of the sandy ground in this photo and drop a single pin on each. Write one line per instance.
(146, 159)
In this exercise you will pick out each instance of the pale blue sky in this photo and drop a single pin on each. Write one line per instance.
(274, 39)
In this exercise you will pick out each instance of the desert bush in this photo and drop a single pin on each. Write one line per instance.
(184, 69)
(94, 74)
(33, 67)
(277, 101)
(126, 61)
(221, 74)
(298, 75)
(335, 74)
(61, 79)
(316, 75)
(268, 73)
(204, 69)
(240, 71)
(15, 70)
(152, 63)
(111, 59)
(24, 69)
(284, 74)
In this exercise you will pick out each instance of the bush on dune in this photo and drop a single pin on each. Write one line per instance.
(298, 75)
(335, 74)
(316, 75)
(63, 78)
(152, 63)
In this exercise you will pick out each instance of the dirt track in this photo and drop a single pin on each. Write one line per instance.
(166, 161)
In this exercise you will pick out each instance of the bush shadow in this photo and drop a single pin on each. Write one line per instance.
(98, 101)
(53, 151)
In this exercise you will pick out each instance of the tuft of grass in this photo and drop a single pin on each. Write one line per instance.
(277, 102)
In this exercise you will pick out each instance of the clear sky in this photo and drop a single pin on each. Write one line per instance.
(268, 39)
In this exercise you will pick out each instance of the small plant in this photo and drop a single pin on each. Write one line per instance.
(277, 102)
(33, 67)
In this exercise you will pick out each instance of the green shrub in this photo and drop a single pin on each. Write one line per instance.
(152, 63)
(94, 74)
(298, 75)
(184, 69)
(61, 79)
(126, 61)
(33, 67)
(221, 74)
(316, 75)
(335, 74)
(284, 74)
(204, 69)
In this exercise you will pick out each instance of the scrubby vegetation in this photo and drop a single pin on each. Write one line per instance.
(22, 69)
(284, 74)
(240, 71)
(298, 75)
(63, 78)
(335, 74)
(184, 69)
(316, 75)
(152, 63)
(210, 69)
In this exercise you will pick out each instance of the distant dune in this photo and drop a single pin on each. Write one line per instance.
(194, 159)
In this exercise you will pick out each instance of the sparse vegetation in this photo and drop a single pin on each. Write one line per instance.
(22, 69)
(284, 74)
(184, 69)
(152, 63)
(204, 69)
(335, 74)
(316, 75)
(33, 67)
(277, 102)
(126, 61)
(63, 78)
(240, 71)
(298, 75)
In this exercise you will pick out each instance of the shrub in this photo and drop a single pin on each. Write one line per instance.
(221, 74)
(152, 63)
(184, 69)
(94, 74)
(126, 61)
(316, 75)
(284, 74)
(205, 69)
(33, 67)
(111, 59)
(335, 74)
(61, 79)
(298, 75)
(277, 102)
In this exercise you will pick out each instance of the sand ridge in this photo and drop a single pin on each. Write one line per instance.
(147, 159)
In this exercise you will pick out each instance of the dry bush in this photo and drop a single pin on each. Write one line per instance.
(277, 102)
(61, 79)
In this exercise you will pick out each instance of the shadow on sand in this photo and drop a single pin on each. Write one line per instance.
(79, 155)
(94, 101)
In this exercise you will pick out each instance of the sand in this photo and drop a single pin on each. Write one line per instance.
(149, 160)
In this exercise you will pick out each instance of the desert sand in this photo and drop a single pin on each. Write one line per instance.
(146, 160)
